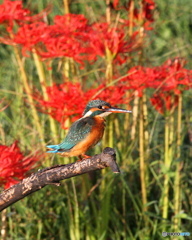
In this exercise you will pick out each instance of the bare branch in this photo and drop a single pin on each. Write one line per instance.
(54, 174)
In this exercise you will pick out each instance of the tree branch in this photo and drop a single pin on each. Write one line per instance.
(54, 174)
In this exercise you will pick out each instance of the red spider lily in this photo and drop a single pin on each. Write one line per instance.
(145, 77)
(173, 79)
(110, 42)
(71, 36)
(171, 76)
(81, 41)
(65, 100)
(63, 46)
(113, 94)
(136, 79)
(147, 11)
(71, 23)
(169, 80)
(144, 16)
(164, 102)
(67, 38)
(68, 100)
(13, 11)
(14, 165)
(31, 35)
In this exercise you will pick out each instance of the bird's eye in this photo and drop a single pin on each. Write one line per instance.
(100, 107)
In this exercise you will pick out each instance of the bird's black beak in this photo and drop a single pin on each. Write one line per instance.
(116, 110)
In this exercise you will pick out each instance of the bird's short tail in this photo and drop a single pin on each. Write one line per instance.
(54, 148)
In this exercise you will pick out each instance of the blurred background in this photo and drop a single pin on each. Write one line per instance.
(56, 56)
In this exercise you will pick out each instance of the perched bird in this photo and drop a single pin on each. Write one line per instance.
(87, 131)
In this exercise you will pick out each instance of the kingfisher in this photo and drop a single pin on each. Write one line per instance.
(87, 131)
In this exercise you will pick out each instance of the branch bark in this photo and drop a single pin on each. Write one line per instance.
(54, 174)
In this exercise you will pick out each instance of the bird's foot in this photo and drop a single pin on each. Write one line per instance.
(82, 157)
(85, 156)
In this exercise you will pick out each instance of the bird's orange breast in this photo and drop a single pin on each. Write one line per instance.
(90, 140)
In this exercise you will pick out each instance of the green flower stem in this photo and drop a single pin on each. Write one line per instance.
(166, 177)
(4, 224)
(105, 191)
(66, 68)
(109, 66)
(169, 127)
(66, 6)
(27, 88)
(42, 79)
(76, 230)
(135, 111)
(177, 182)
(142, 157)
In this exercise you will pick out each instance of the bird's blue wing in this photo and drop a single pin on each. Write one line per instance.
(78, 131)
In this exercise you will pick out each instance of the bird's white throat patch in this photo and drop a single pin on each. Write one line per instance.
(88, 114)
(104, 114)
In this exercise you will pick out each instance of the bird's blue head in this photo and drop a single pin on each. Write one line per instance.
(101, 108)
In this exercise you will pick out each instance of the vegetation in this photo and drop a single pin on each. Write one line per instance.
(55, 57)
